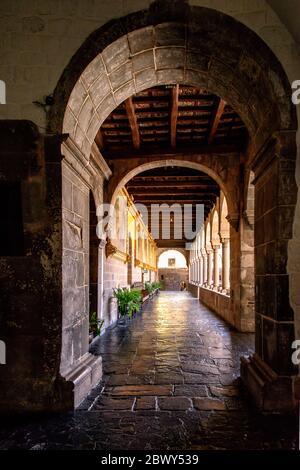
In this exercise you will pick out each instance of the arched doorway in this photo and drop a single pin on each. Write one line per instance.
(87, 93)
(172, 270)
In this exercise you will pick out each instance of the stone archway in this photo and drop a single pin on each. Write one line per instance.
(184, 252)
(141, 51)
(209, 164)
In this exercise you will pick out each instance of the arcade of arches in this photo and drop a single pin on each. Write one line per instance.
(177, 105)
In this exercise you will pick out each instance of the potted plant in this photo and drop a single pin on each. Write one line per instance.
(135, 302)
(158, 286)
(149, 288)
(129, 302)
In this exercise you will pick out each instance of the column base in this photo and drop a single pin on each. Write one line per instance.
(270, 391)
(84, 377)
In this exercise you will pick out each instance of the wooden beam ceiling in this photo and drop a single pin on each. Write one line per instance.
(216, 120)
(164, 118)
(133, 123)
(174, 114)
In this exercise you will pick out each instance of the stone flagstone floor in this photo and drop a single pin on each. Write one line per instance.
(171, 381)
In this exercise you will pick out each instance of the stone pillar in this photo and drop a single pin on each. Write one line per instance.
(216, 266)
(270, 374)
(225, 265)
(204, 255)
(101, 257)
(200, 270)
(210, 267)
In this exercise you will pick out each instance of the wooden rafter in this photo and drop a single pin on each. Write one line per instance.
(174, 114)
(136, 139)
(216, 120)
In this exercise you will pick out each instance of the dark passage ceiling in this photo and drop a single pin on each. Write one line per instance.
(169, 117)
(174, 185)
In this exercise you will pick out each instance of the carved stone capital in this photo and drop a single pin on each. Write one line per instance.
(234, 220)
(110, 249)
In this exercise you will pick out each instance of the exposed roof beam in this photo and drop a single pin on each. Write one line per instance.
(216, 120)
(174, 114)
(133, 123)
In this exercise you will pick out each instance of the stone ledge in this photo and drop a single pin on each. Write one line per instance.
(270, 391)
(84, 377)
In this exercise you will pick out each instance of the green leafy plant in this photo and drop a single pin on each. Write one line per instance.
(152, 286)
(129, 300)
(149, 287)
(95, 324)
(156, 285)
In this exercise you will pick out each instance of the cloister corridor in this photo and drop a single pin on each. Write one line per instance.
(171, 381)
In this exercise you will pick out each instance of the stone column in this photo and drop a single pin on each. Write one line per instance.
(210, 266)
(101, 257)
(204, 256)
(225, 265)
(197, 271)
(216, 266)
(200, 270)
(270, 374)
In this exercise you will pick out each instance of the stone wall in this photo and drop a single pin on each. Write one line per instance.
(75, 200)
(41, 37)
(242, 277)
(115, 275)
(217, 302)
(172, 278)
(31, 279)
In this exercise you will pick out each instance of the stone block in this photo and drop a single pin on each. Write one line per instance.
(125, 92)
(145, 403)
(197, 61)
(170, 34)
(121, 75)
(197, 78)
(174, 403)
(99, 89)
(141, 40)
(141, 390)
(209, 404)
(85, 115)
(107, 403)
(228, 391)
(145, 79)
(106, 107)
(143, 60)
(116, 54)
(170, 58)
(170, 76)
(190, 390)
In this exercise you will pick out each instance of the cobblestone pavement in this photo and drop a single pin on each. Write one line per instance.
(171, 381)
